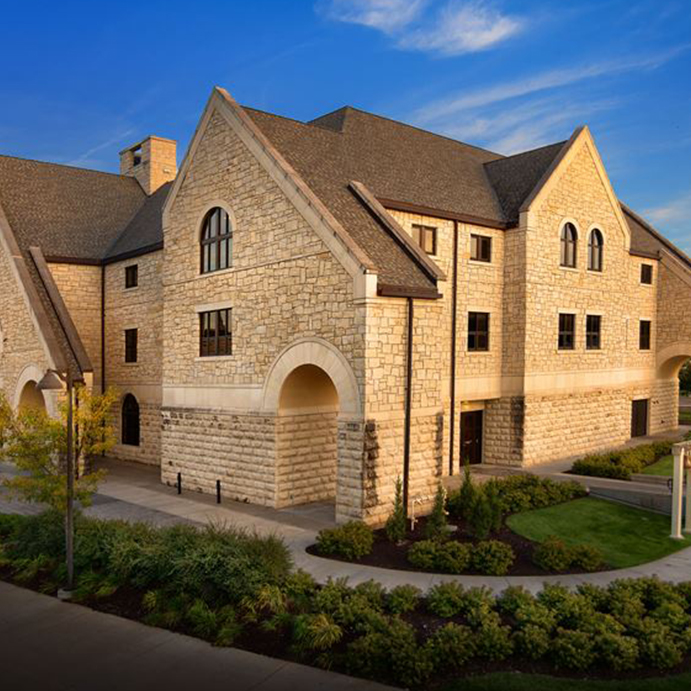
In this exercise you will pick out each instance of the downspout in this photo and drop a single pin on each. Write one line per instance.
(452, 388)
(408, 397)
(103, 328)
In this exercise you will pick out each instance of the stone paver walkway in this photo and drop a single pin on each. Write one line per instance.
(56, 646)
(134, 493)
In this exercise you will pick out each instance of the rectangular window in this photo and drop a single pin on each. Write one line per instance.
(478, 331)
(593, 323)
(131, 276)
(644, 334)
(646, 274)
(567, 331)
(215, 333)
(130, 345)
(426, 237)
(481, 248)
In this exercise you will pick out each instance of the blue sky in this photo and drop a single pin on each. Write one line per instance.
(82, 80)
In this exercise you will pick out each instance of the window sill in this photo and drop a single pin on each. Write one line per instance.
(480, 262)
(131, 289)
(478, 352)
(220, 272)
(572, 269)
(131, 364)
(593, 272)
(212, 358)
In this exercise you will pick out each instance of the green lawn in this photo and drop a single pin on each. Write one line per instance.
(665, 466)
(685, 417)
(625, 536)
(507, 681)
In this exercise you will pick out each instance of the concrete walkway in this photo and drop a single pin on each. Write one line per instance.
(133, 492)
(55, 646)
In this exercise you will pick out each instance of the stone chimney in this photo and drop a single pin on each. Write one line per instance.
(152, 161)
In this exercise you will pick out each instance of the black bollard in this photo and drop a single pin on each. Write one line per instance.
(218, 491)
(179, 483)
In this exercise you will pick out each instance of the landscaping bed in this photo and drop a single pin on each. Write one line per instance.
(467, 533)
(234, 588)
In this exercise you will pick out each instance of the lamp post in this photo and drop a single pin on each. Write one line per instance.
(52, 381)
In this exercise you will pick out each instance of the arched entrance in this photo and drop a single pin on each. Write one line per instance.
(313, 394)
(669, 363)
(306, 438)
(31, 398)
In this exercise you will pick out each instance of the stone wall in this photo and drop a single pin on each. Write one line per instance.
(80, 288)
(306, 457)
(138, 308)
(210, 445)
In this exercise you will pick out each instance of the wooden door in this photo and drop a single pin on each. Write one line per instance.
(471, 437)
(639, 418)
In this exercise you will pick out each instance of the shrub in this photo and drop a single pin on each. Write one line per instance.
(493, 641)
(402, 599)
(536, 614)
(201, 619)
(495, 507)
(453, 557)
(532, 641)
(596, 466)
(657, 645)
(493, 558)
(620, 465)
(616, 651)
(424, 554)
(586, 557)
(445, 599)
(553, 555)
(436, 527)
(480, 518)
(316, 632)
(461, 502)
(372, 592)
(514, 597)
(451, 647)
(573, 649)
(352, 540)
(396, 523)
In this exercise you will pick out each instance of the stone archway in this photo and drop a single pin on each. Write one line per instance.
(671, 358)
(30, 398)
(313, 393)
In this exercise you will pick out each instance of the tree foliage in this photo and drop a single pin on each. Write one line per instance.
(36, 445)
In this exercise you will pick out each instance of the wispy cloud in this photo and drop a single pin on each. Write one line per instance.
(673, 212)
(462, 28)
(456, 28)
(542, 82)
(388, 16)
(87, 158)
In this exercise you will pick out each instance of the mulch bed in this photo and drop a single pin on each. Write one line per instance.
(388, 555)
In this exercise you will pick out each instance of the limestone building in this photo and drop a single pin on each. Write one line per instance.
(305, 311)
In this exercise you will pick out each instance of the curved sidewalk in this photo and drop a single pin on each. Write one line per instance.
(138, 495)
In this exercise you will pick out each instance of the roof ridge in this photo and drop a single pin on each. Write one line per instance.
(527, 151)
(304, 123)
(413, 127)
(67, 165)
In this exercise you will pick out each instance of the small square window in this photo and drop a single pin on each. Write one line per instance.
(130, 345)
(644, 334)
(426, 237)
(215, 333)
(478, 331)
(647, 274)
(592, 331)
(481, 248)
(567, 331)
(131, 276)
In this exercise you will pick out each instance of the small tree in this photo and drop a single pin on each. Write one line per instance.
(480, 520)
(467, 495)
(396, 523)
(495, 506)
(436, 527)
(685, 377)
(37, 445)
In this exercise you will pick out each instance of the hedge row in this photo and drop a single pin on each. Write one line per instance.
(222, 585)
(620, 465)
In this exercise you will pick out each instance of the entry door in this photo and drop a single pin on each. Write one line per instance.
(471, 437)
(639, 418)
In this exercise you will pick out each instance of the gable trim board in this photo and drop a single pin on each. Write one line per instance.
(61, 311)
(347, 252)
(44, 331)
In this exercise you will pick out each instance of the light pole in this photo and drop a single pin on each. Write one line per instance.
(52, 381)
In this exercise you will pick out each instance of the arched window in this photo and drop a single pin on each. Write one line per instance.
(595, 243)
(130, 421)
(216, 241)
(569, 239)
